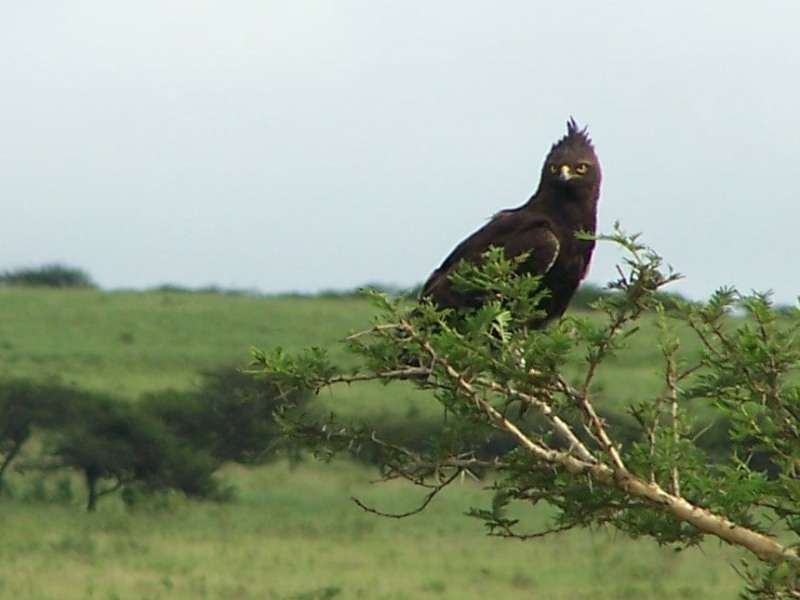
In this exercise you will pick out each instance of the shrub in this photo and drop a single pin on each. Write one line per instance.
(229, 415)
(55, 275)
(116, 444)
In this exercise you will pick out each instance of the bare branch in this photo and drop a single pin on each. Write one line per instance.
(565, 459)
(422, 506)
(507, 532)
(672, 395)
(404, 373)
(559, 426)
(597, 424)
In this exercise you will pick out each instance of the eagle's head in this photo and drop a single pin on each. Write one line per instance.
(572, 163)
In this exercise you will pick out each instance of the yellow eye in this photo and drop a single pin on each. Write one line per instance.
(553, 169)
(581, 169)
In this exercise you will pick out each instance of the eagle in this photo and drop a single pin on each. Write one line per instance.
(545, 226)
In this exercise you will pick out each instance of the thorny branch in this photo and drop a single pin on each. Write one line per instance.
(421, 469)
(507, 531)
(577, 459)
(597, 427)
(596, 461)
(422, 506)
(542, 407)
(672, 395)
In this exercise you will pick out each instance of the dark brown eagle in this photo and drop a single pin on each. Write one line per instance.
(565, 202)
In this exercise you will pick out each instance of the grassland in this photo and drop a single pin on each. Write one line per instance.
(290, 534)
(296, 535)
(128, 343)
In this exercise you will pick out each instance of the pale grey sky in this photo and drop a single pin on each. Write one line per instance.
(306, 145)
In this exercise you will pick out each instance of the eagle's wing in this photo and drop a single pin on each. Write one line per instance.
(508, 230)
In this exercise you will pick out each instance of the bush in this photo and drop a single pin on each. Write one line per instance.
(24, 405)
(54, 275)
(229, 415)
(116, 444)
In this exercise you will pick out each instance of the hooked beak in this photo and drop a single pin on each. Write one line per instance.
(566, 174)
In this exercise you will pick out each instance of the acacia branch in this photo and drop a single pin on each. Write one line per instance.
(403, 373)
(577, 459)
(650, 433)
(421, 469)
(597, 424)
(672, 395)
(422, 506)
(566, 459)
(765, 547)
(508, 532)
(558, 425)
(411, 372)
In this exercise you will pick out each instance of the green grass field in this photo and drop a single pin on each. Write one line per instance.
(296, 535)
(128, 343)
(289, 534)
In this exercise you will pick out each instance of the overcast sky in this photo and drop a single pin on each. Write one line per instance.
(308, 145)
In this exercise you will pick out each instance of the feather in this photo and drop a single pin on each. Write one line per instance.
(544, 226)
